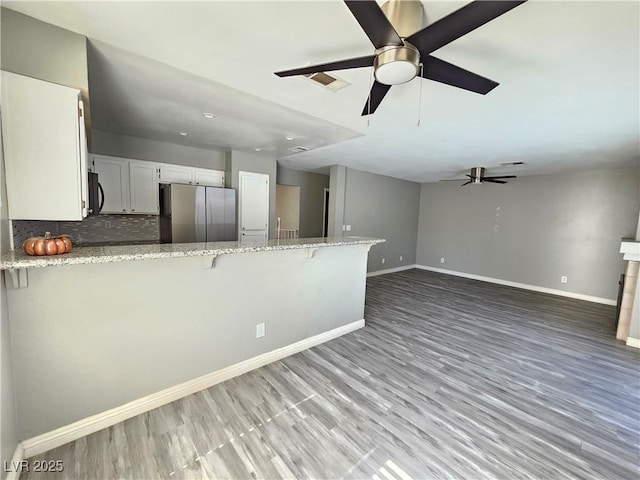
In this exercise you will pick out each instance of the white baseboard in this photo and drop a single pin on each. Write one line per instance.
(391, 270)
(633, 342)
(535, 288)
(16, 464)
(50, 440)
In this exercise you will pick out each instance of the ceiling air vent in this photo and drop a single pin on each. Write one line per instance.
(329, 82)
(297, 149)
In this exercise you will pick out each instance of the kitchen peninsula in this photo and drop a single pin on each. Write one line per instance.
(104, 333)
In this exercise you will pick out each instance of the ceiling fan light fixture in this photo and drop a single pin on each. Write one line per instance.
(396, 65)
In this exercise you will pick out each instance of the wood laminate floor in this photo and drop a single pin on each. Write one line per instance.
(451, 378)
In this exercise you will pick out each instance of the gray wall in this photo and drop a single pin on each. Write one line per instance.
(534, 229)
(41, 50)
(312, 187)
(263, 162)
(117, 145)
(383, 207)
(8, 429)
(337, 187)
(163, 322)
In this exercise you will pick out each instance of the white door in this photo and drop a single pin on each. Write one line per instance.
(208, 178)
(144, 187)
(113, 175)
(253, 205)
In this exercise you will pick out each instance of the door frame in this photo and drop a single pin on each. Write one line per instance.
(325, 211)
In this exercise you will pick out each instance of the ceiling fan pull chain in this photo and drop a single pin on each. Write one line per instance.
(420, 95)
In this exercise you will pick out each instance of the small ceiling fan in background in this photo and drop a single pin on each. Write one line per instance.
(477, 176)
(403, 45)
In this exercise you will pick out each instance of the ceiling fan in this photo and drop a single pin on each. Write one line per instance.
(477, 176)
(403, 45)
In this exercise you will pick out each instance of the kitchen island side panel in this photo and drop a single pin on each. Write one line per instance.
(88, 338)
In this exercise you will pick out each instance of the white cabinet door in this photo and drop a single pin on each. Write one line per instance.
(43, 149)
(113, 175)
(144, 187)
(253, 205)
(175, 174)
(129, 186)
(208, 178)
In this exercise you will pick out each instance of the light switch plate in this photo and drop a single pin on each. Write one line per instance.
(260, 330)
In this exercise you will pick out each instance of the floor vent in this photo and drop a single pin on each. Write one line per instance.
(297, 149)
(327, 81)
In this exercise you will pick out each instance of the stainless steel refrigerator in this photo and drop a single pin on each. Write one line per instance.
(197, 214)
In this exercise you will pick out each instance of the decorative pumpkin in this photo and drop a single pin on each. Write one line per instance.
(47, 245)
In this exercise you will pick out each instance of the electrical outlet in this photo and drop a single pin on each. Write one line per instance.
(441, 259)
(107, 224)
(383, 260)
(348, 228)
(260, 330)
(344, 227)
(563, 279)
(400, 257)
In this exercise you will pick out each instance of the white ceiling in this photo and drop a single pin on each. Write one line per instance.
(134, 95)
(568, 96)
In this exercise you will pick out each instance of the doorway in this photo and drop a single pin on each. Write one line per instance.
(325, 213)
(288, 211)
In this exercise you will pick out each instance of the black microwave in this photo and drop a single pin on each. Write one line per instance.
(96, 195)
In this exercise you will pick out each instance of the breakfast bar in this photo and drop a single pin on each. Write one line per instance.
(148, 324)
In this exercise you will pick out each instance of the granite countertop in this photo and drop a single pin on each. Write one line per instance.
(107, 254)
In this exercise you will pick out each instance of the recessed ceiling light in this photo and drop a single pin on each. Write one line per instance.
(208, 115)
(289, 137)
(184, 134)
(258, 149)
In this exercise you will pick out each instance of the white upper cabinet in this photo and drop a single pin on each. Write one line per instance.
(208, 178)
(44, 149)
(190, 175)
(113, 175)
(176, 174)
(144, 187)
(129, 186)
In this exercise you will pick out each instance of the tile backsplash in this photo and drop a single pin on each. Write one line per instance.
(101, 229)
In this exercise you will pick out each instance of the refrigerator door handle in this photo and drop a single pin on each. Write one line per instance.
(102, 197)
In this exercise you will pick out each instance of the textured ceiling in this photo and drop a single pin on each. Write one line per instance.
(568, 96)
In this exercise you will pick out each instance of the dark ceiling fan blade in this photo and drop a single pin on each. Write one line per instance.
(459, 23)
(357, 62)
(503, 176)
(374, 22)
(378, 91)
(491, 180)
(445, 72)
(470, 181)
